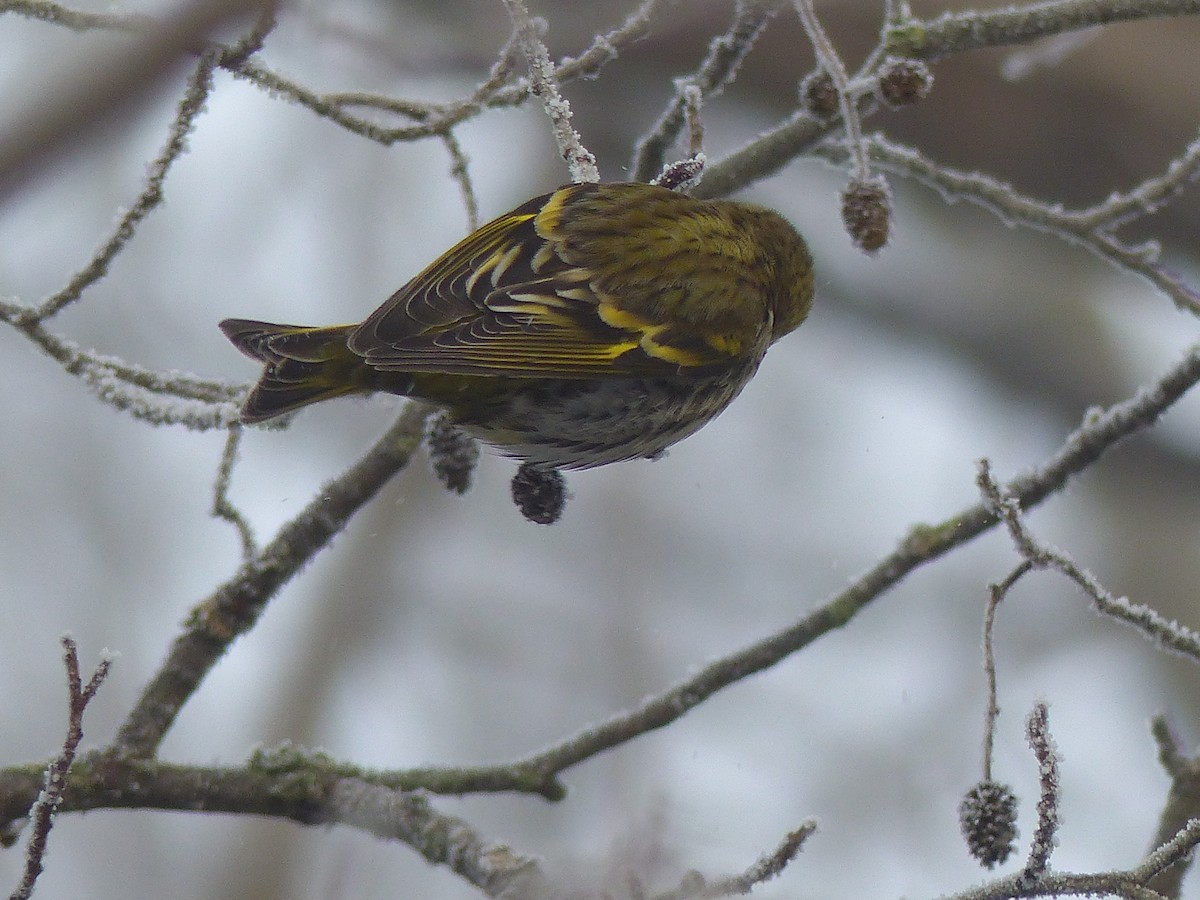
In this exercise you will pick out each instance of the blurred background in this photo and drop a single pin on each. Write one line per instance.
(440, 629)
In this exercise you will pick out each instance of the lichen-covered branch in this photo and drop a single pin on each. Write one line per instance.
(960, 32)
(233, 608)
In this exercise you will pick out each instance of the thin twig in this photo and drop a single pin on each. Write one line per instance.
(102, 88)
(997, 593)
(768, 866)
(253, 40)
(543, 84)
(831, 61)
(223, 507)
(55, 782)
(605, 47)
(194, 98)
(1145, 199)
(1180, 812)
(718, 69)
(1163, 632)
(693, 104)
(460, 171)
(1037, 729)
(1017, 209)
(1172, 852)
(78, 20)
(157, 397)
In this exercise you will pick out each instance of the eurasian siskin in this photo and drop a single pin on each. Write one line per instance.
(596, 323)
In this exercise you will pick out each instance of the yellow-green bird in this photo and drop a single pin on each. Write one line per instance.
(596, 323)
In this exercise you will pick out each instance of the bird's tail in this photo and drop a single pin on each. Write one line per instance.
(300, 365)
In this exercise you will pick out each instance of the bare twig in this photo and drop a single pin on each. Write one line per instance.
(605, 47)
(544, 85)
(77, 20)
(769, 866)
(694, 102)
(1181, 810)
(160, 407)
(867, 198)
(102, 88)
(997, 594)
(1163, 632)
(831, 61)
(1174, 854)
(161, 398)
(460, 171)
(719, 68)
(253, 40)
(1081, 228)
(194, 98)
(1145, 199)
(1037, 729)
(55, 780)
(222, 507)
(1130, 884)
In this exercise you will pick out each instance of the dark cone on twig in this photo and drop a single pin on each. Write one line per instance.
(819, 94)
(867, 212)
(539, 493)
(453, 453)
(988, 818)
(903, 82)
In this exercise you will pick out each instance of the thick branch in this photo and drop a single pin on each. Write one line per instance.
(952, 33)
(236, 605)
(924, 543)
(283, 792)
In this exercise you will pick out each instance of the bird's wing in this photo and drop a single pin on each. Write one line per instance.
(504, 301)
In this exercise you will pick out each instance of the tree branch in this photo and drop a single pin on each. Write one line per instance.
(960, 32)
(235, 606)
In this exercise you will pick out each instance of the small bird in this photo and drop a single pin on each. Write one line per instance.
(593, 324)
